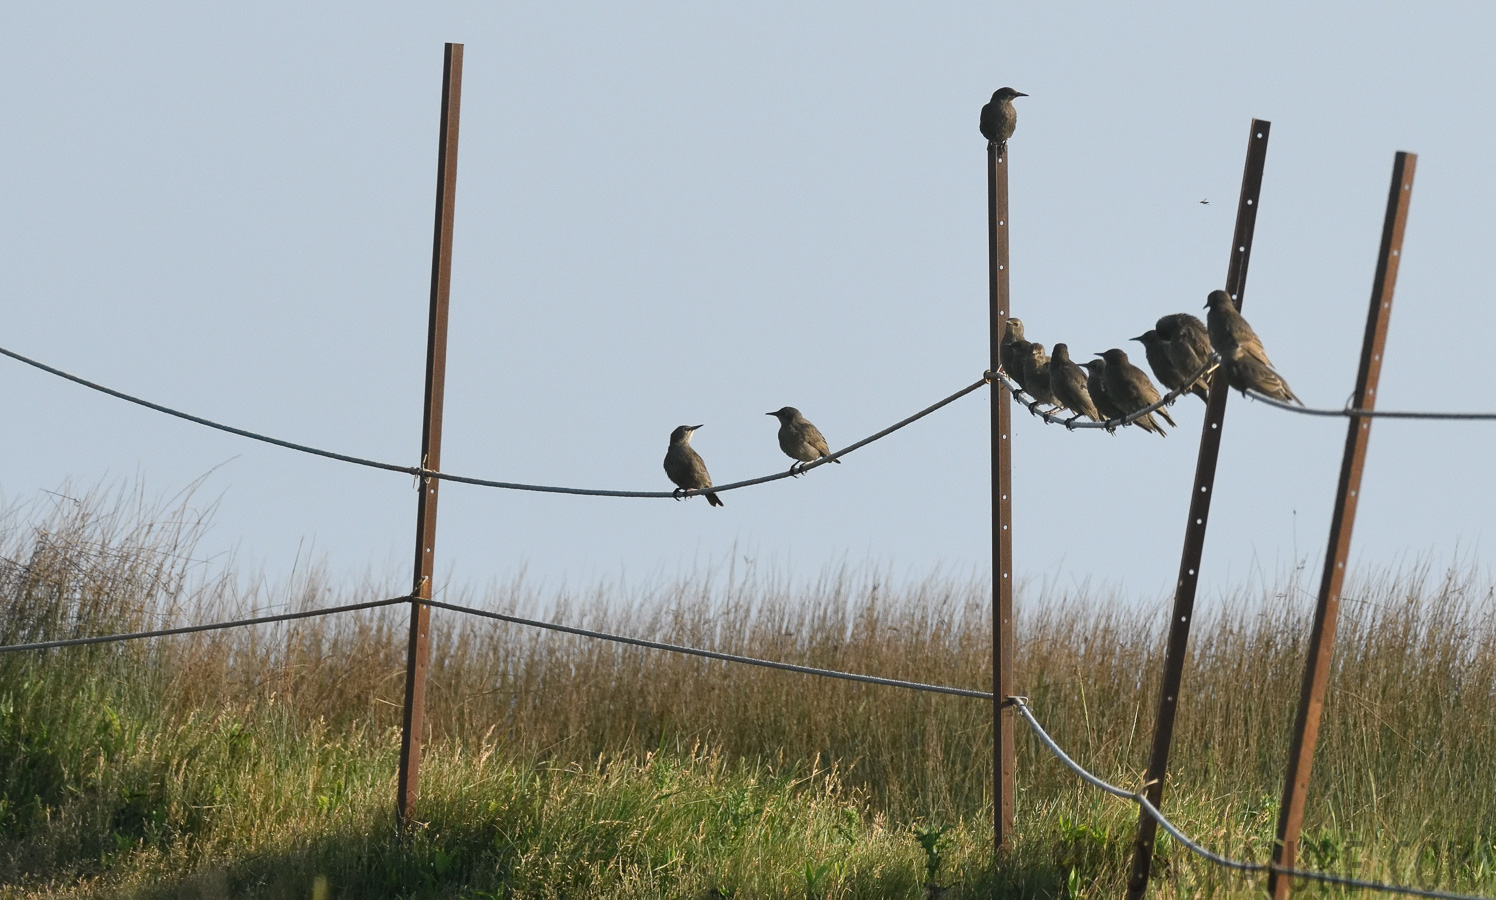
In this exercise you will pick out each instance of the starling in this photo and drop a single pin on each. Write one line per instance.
(1245, 373)
(1242, 356)
(1229, 332)
(1007, 352)
(1162, 363)
(1189, 347)
(1068, 384)
(1096, 388)
(684, 466)
(999, 118)
(1019, 351)
(1036, 375)
(1130, 390)
(799, 439)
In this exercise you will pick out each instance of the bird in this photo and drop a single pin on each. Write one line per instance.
(999, 118)
(1246, 373)
(799, 439)
(1130, 390)
(684, 466)
(1204, 202)
(1242, 355)
(1007, 352)
(1096, 389)
(1229, 332)
(1068, 385)
(1189, 347)
(1162, 363)
(1036, 375)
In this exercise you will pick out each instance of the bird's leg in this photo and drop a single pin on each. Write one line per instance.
(1070, 422)
(679, 493)
(794, 470)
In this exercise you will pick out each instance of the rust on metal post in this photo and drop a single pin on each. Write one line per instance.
(1199, 517)
(1003, 765)
(418, 649)
(1327, 610)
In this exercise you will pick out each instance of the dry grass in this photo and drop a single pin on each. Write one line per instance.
(246, 748)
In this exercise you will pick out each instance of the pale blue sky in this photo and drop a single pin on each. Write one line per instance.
(681, 214)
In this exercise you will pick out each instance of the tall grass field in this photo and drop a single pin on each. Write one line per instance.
(261, 762)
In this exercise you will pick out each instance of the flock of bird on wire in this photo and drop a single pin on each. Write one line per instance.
(1180, 350)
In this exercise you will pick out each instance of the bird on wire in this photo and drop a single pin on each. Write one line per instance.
(799, 439)
(1189, 349)
(999, 118)
(1008, 354)
(1130, 390)
(1036, 377)
(1168, 374)
(1242, 355)
(1096, 390)
(683, 465)
(1067, 382)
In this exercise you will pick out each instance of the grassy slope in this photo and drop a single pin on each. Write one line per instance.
(256, 762)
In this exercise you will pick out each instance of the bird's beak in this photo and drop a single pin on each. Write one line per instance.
(1098, 354)
(1138, 338)
(694, 427)
(771, 414)
(1019, 94)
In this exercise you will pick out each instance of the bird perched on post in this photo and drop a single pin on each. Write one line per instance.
(999, 118)
(1130, 390)
(683, 465)
(1096, 390)
(1242, 356)
(799, 439)
(1188, 347)
(1068, 384)
(1036, 376)
(1007, 351)
(1162, 363)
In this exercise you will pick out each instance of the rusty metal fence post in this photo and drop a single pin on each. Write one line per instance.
(1003, 766)
(418, 649)
(1327, 610)
(1194, 532)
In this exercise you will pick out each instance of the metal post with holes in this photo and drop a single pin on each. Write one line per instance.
(1003, 765)
(418, 650)
(1199, 516)
(1327, 610)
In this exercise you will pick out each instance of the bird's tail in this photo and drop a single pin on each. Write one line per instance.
(713, 499)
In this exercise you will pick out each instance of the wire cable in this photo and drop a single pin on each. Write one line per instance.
(423, 473)
(192, 629)
(1353, 413)
(712, 654)
(1021, 704)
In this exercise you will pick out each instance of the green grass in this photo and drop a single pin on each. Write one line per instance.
(261, 762)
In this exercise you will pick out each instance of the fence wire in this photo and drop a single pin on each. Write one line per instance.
(421, 472)
(193, 629)
(514, 620)
(1021, 704)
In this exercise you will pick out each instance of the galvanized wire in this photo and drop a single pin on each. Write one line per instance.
(423, 473)
(1021, 704)
(193, 629)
